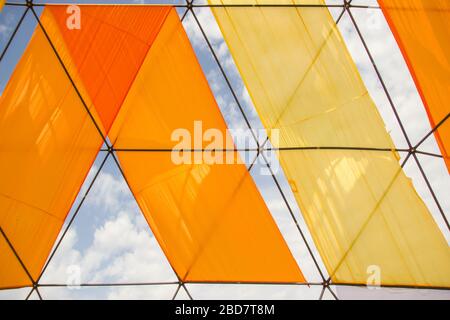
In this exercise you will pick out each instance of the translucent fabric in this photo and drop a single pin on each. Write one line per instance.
(47, 145)
(422, 31)
(108, 48)
(209, 218)
(365, 217)
(48, 141)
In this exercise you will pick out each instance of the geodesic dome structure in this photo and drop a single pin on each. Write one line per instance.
(319, 197)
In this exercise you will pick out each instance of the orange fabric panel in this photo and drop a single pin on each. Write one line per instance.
(47, 146)
(12, 274)
(109, 48)
(209, 219)
(422, 31)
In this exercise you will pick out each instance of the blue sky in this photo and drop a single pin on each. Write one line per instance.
(111, 242)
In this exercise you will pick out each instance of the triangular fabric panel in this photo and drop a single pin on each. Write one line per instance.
(108, 45)
(48, 140)
(209, 219)
(47, 145)
(362, 211)
(422, 31)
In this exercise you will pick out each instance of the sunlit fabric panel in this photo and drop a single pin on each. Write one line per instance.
(47, 146)
(364, 214)
(209, 218)
(108, 45)
(12, 274)
(422, 31)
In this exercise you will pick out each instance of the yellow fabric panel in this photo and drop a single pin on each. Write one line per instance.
(47, 146)
(360, 207)
(422, 30)
(209, 219)
(2, 3)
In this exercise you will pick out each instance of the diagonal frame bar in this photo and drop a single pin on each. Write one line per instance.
(2, 232)
(110, 150)
(13, 35)
(105, 141)
(228, 82)
(77, 210)
(295, 220)
(397, 116)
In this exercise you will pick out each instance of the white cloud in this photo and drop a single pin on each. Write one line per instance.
(405, 97)
(8, 20)
(4, 30)
(122, 247)
(209, 25)
(122, 251)
(108, 192)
